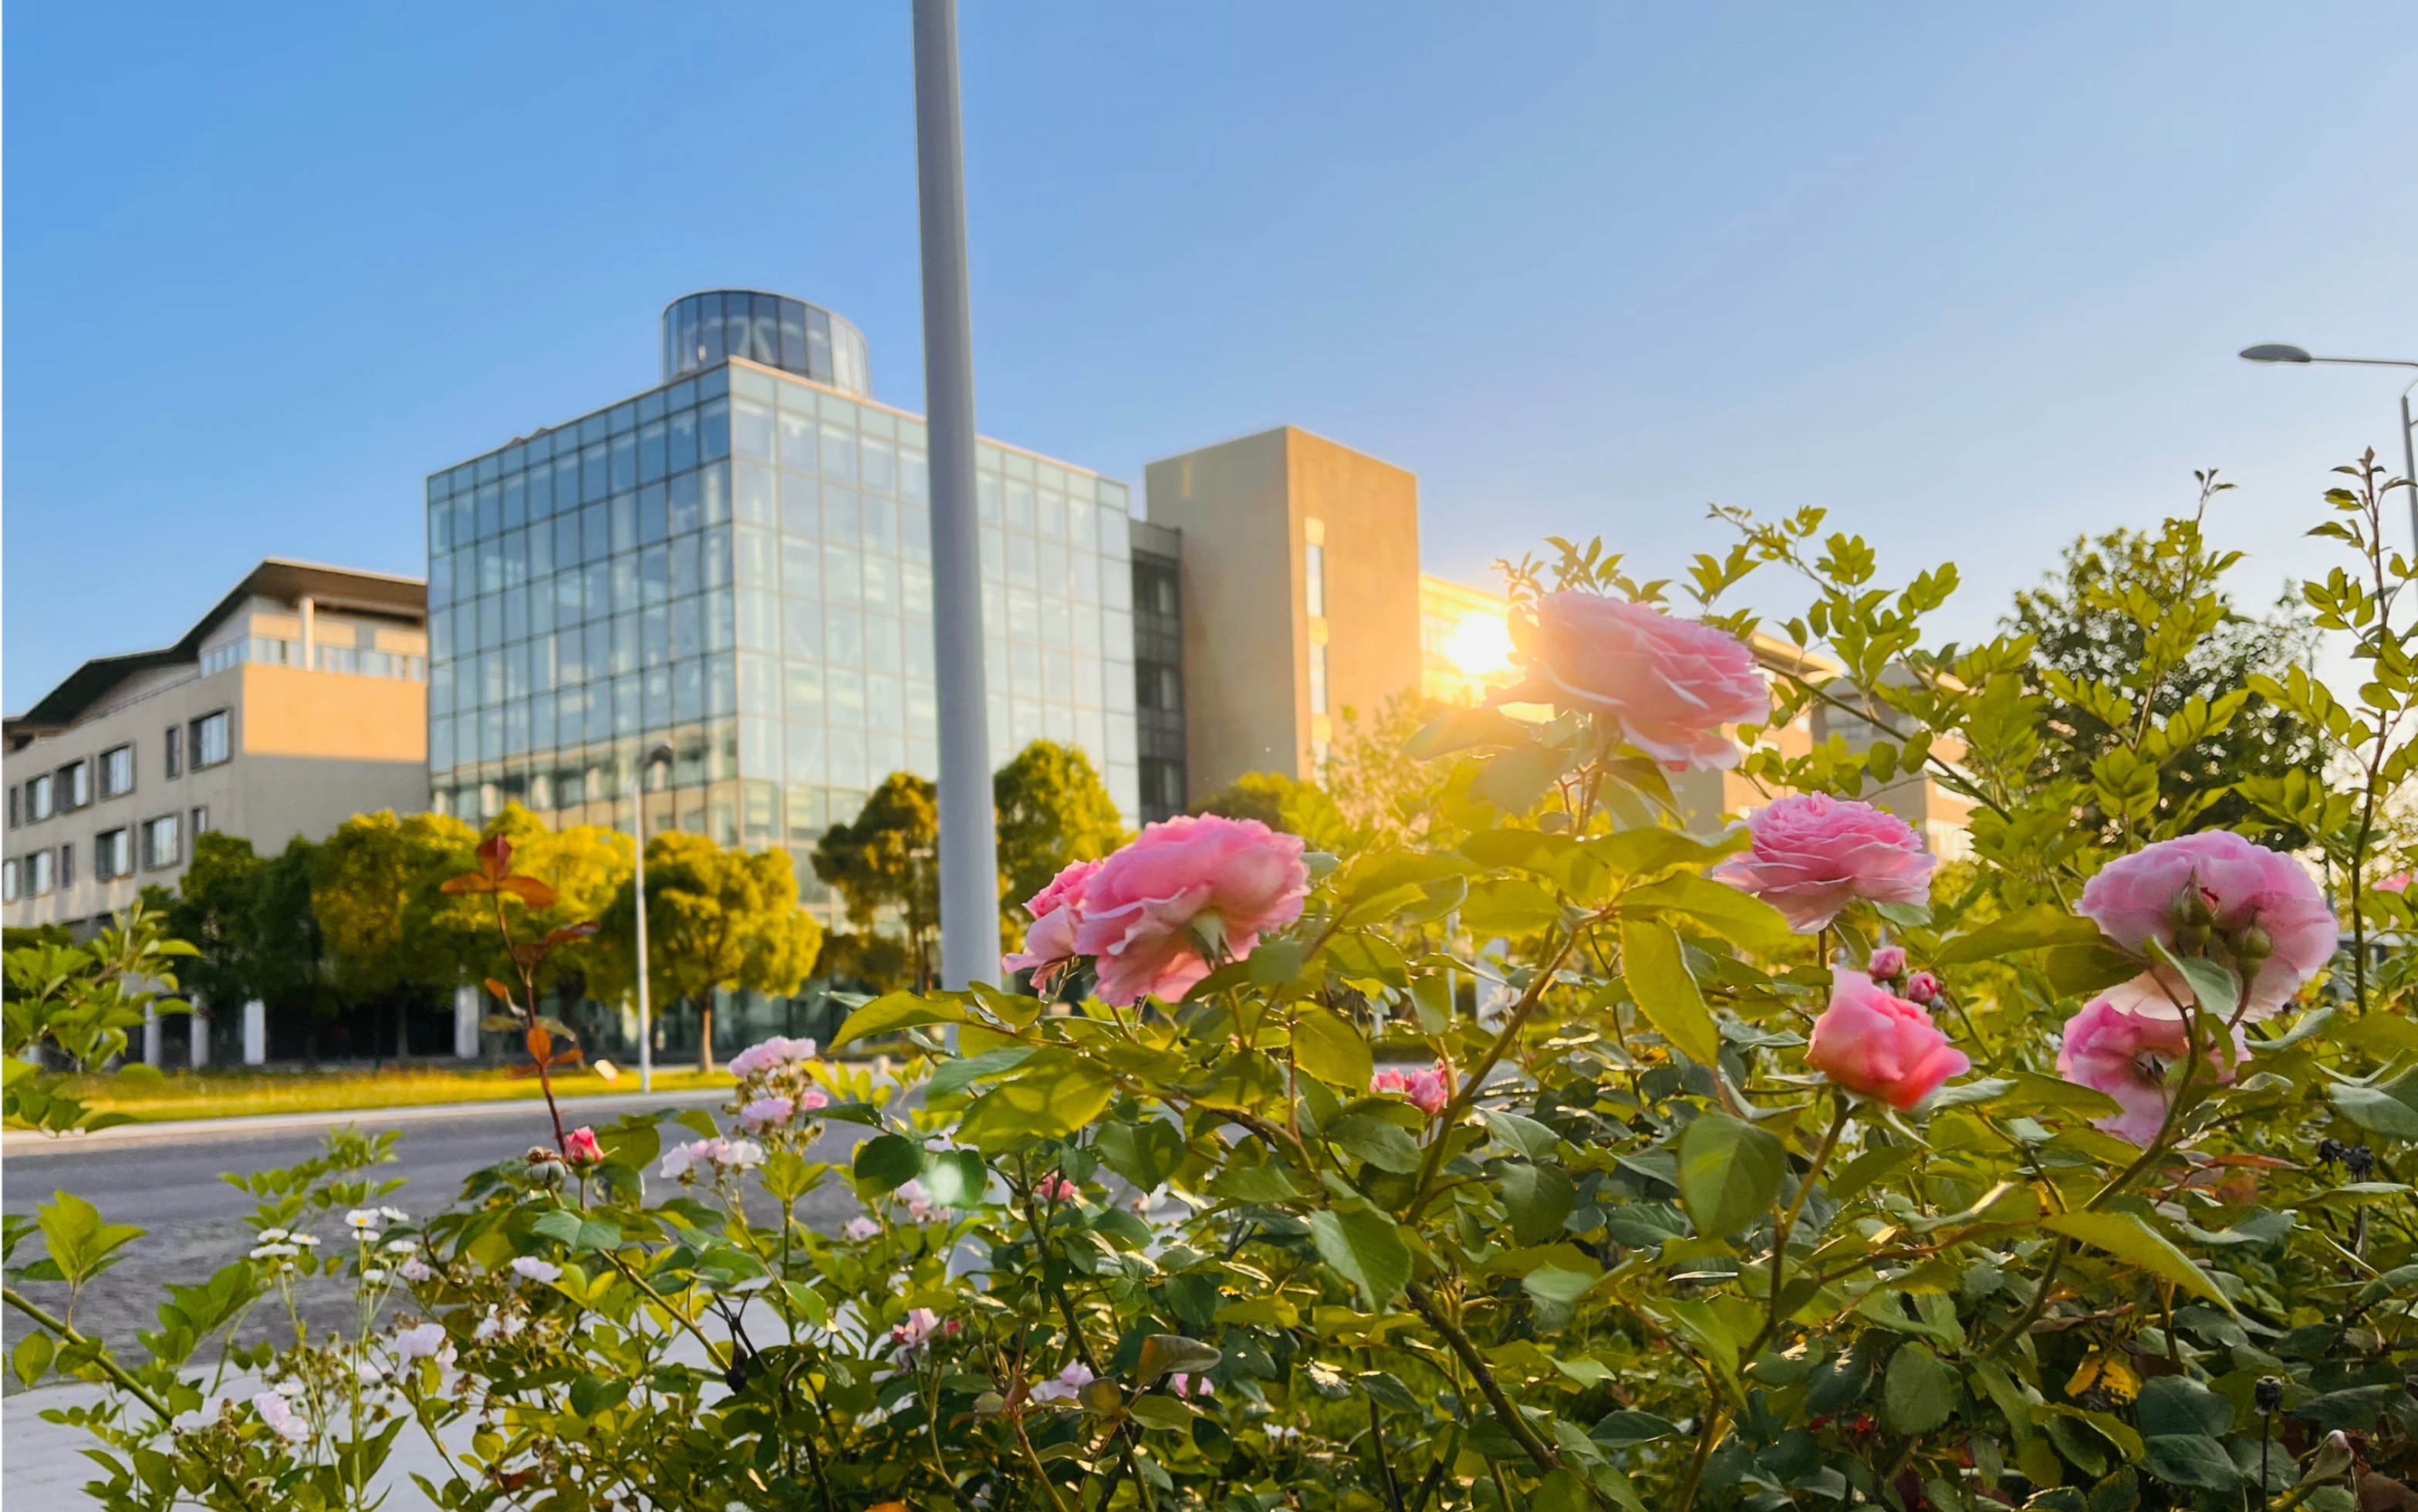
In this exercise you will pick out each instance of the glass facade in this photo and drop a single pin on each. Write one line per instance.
(738, 564)
(701, 331)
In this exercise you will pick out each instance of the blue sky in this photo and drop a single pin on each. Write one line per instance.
(1971, 278)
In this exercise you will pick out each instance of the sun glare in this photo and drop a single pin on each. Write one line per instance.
(1480, 644)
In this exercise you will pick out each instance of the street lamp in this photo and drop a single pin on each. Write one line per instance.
(660, 752)
(2279, 352)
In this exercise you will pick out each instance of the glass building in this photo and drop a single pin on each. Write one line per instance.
(737, 564)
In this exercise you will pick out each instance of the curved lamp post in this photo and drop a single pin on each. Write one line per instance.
(658, 754)
(2299, 356)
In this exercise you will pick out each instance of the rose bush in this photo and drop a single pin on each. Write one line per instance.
(1251, 1212)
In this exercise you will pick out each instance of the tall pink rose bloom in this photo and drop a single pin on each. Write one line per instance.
(2126, 1055)
(1056, 909)
(1814, 854)
(2216, 893)
(1671, 683)
(1141, 910)
(1879, 1045)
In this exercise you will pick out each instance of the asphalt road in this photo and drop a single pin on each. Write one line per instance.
(172, 1188)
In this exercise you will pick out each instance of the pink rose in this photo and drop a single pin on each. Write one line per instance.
(1145, 912)
(1814, 854)
(813, 1098)
(2397, 882)
(579, 1147)
(2126, 1055)
(1056, 1188)
(1056, 909)
(1888, 963)
(2216, 893)
(1671, 683)
(770, 1055)
(764, 1112)
(1922, 987)
(1428, 1090)
(1879, 1045)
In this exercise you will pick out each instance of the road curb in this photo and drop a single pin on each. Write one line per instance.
(21, 1144)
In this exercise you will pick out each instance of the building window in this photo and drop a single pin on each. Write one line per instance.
(174, 754)
(8, 877)
(75, 786)
(1318, 677)
(117, 771)
(37, 873)
(37, 798)
(1314, 569)
(112, 855)
(12, 806)
(209, 739)
(163, 843)
(66, 867)
(201, 820)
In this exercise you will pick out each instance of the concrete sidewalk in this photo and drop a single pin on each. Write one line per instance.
(187, 1131)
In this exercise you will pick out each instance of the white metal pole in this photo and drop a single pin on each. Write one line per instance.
(646, 1022)
(969, 844)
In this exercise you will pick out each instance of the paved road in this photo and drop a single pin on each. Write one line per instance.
(171, 1188)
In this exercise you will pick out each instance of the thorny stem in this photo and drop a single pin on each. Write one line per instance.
(528, 1016)
(1508, 1415)
(1787, 1220)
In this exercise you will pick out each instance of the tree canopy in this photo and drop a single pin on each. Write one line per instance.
(886, 858)
(715, 918)
(1052, 809)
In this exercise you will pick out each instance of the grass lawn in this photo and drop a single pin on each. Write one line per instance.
(151, 1097)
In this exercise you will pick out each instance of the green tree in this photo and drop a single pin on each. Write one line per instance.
(290, 969)
(586, 867)
(1383, 793)
(212, 911)
(1052, 809)
(886, 858)
(364, 878)
(1284, 803)
(2090, 623)
(715, 918)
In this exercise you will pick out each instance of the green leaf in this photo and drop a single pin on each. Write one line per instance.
(2030, 929)
(2189, 1460)
(2078, 970)
(1384, 1145)
(2376, 1110)
(889, 1161)
(956, 1178)
(2218, 991)
(33, 1357)
(1366, 1249)
(1163, 1352)
(1524, 1134)
(1161, 1412)
(1743, 920)
(1918, 1392)
(1268, 1185)
(1464, 729)
(1626, 1428)
(1539, 1200)
(80, 1244)
(1048, 1103)
(2178, 1405)
(560, 1225)
(1515, 779)
(1332, 1050)
(894, 1011)
(1556, 1292)
(1145, 1155)
(2126, 1237)
(1507, 906)
(1656, 973)
(955, 1076)
(1729, 1172)
(1643, 851)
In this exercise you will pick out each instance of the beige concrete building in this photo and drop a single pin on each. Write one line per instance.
(299, 700)
(1300, 591)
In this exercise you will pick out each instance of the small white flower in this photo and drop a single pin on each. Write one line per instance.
(374, 1275)
(362, 1218)
(401, 1246)
(425, 1342)
(861, 1229)
(415, 1269)
(369, 1370)
(304, 1239)
(394, 1216)
(498, 1325)
(1068, 1385)
(542, 1272)
(272, 1251)
(280, 1417)
(270, 1236)
(740, 1155)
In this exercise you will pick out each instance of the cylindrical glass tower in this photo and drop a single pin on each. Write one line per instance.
(701, 330)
